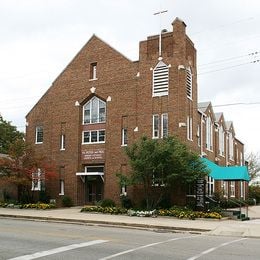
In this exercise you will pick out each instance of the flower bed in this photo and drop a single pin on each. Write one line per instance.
(107, 210)
(180, 213)
(28, 206)
(174, 212)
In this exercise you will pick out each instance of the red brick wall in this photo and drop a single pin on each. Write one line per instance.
(131, 99)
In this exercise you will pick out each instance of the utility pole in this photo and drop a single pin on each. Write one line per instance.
(160, 35)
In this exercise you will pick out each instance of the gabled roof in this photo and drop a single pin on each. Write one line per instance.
(203, 106)
(92, 38)
(218, 116)
(206, 108)
(230, 126)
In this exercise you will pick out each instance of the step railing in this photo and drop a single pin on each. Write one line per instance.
(241, 205)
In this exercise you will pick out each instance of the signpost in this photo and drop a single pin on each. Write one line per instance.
(200, 194)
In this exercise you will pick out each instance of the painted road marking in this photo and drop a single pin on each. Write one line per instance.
(145, 246)
(214, 248)
(58, 250)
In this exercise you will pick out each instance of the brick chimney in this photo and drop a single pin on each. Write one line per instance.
(179, 38)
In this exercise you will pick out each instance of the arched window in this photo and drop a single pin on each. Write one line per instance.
(160, 79)
(94, 111)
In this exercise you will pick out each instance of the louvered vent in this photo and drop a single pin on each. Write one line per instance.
(160, 79)
(189, 83)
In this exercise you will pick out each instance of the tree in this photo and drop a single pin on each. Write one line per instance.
(24, 169)
(158, 164)
(253, 160)
(8, 134)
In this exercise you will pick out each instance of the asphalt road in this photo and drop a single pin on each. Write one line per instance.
(24, 240)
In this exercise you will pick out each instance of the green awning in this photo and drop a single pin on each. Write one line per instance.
(227, 173)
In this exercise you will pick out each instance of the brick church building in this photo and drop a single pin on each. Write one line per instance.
(102, 102)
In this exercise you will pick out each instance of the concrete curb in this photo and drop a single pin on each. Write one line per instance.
(108, 224)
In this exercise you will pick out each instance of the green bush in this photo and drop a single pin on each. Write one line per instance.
(126, 202)
(254, 193)
(43, 197)
(165, 203)
(250, 201)
(106, 203)
(67, 201)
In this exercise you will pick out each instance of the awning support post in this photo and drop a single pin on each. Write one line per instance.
(82, 178)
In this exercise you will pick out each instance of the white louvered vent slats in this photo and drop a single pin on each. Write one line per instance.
(189, 83)
(160, 79)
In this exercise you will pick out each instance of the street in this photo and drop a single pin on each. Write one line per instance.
(24, 240)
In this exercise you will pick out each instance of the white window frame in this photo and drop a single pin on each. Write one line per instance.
(199, 135)
(225, 188)
(242, 189)
(124, 137)
(231, 146)
(221, 139)
(90, 136)
(93, 71)
(232, 189)
(38, 130)
(164, 125)
(94, 166)
(91, 119)
(36, 180)
(160, 80)
(62, 189)
(156, 127)
(241, 159)
(189, 83)
(210, 186)
(189, 128)
(209, 134)
(62, 142)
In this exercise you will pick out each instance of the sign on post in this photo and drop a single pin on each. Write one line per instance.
(200, 194)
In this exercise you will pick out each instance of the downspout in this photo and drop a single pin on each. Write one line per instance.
(201, 134)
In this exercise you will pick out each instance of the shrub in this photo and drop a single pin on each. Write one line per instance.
(43, 197)
(250, 201)
(67, 201)
(165, 203)
(254, 193)
(106, 203)
(126, 202)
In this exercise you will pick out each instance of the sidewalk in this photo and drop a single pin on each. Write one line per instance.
(225, 227)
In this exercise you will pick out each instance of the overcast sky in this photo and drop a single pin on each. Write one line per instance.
(38, 38)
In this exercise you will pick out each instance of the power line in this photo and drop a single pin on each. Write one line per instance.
(229, 67)
(230, 59)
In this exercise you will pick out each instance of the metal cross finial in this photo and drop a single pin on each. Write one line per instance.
(160, 36)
